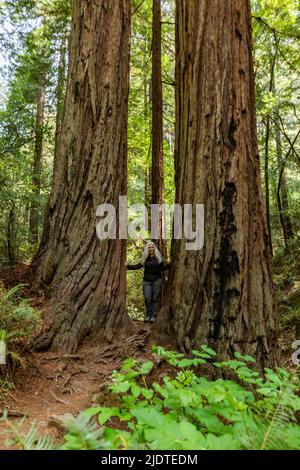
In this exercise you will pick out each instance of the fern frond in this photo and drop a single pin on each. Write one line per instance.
(29, 440)
(83, 434)
(268, 431)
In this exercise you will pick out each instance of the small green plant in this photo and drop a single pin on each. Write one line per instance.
(5, 386)
(17, 322)
(82, 434)
(135, 313)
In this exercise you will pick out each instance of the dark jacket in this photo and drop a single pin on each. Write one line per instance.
(152, 268)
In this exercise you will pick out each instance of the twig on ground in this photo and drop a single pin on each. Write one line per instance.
(59, 400)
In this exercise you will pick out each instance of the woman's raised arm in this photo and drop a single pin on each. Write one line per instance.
(134, 267)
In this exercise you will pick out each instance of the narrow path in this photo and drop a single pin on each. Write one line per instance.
(53, 385)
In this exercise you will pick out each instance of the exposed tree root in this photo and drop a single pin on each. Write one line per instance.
(42, 341)
(117, 352)
(65, 356)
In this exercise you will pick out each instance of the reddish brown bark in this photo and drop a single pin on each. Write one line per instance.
(86, 276)
(221, 295)
(157, 119)
(60, 95)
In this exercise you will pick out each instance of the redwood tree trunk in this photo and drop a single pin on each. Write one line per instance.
(148, 166)
(60, 95)
(221, 295)
(87, 276)
(37, 163)
(157, 119)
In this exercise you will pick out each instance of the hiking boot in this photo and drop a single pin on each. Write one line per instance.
(152, 319)
(147, 319)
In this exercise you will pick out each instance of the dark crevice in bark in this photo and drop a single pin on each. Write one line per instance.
(231, 132)
(227, 265)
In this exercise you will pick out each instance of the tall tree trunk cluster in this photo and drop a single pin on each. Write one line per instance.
(222, 294)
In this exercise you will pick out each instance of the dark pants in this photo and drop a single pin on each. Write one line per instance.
(151, 291)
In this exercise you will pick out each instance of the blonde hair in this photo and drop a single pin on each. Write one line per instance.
(145, 253)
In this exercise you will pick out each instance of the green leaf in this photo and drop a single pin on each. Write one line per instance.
(225, 442)
(147, 393)
(121, 387)
(208, 350)
(128, 363)
(146, 367)
(185, 363)
(132, 374)
(107, 413)
(92, 411)
(267, 391)
(135, 390)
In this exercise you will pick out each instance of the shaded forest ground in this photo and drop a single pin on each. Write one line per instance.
(51, 386)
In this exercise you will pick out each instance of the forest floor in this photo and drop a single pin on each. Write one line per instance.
(51, 386)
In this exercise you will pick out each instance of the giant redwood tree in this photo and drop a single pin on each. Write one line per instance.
(86, 276)
(221, 295)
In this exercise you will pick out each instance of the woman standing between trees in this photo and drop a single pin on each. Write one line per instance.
(154, 265)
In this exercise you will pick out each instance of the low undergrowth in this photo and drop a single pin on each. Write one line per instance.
(185, 410)
(17, 322)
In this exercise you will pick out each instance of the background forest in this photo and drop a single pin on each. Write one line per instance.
(33, 41)
(34, 61)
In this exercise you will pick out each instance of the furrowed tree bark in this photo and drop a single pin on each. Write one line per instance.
(157, 120)
(148, 197)
(60, 96)
(221, 295)
(148, 174)
(37, 163)
(86, 275)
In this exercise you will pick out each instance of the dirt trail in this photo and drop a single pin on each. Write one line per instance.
(52, 385)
